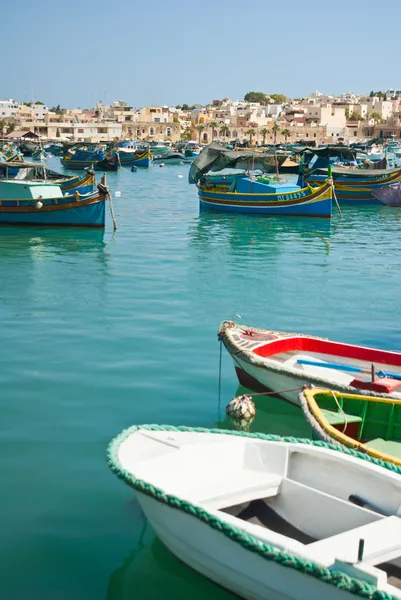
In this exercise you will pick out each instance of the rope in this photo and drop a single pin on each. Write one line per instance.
(330, 180)
(112, 212)
(248, 542)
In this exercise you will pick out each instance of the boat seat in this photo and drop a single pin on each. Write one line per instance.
(385, 446)
(239, 487)
(382, 543)
(338, 418)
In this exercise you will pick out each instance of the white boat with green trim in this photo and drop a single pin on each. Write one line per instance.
(268, 517)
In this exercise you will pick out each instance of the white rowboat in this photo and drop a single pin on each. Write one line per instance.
(267, 517)
(268, 360)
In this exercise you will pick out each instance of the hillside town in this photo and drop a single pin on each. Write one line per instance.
(257, 119)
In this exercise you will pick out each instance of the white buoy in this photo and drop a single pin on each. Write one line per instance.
(117, 194)
(39, 204)
(161, 165)
(180, 176)
(241, 408)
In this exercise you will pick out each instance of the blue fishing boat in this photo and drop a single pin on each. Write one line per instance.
(357, 186)
(137, 158)
(97, 159)
(38, 203)
(352, 185)
(254, 197)
(243, 194)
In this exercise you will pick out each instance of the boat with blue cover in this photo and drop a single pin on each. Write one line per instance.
(30, 202)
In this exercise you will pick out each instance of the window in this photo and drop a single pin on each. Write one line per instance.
(151, 131)
(314, 135)
(80, 130)
(205, 137)
(355, 133)
(235, 134)
(306, 134)
(168, 131)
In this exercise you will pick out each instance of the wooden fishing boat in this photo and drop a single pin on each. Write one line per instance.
(369, 424)
(138, 158)
(254, 197)
(357, 186)
(39, 203)
(80, 159)
(268, 517)
(24, 171)
(268, 360)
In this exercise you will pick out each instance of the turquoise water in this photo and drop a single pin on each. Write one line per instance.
(100, 331)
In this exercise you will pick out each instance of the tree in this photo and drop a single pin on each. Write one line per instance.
(347, 113)
(224, 129)
(275, 131)
(278, 98)
(255, 97)
(187, 134)
(376, 116)
(286, 134)
(39, 102)
(178, 107)
(175, 120)
(185, 107)
(251, 133)
(356, 116)
(11, 125)
(213, 125)
(199, 129)
(264, 133)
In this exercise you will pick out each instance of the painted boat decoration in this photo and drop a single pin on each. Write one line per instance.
(268, 517)
(138, 158)
(358, 186)
(369, 424)
(268, 360)
(245, 195)
(38, 203)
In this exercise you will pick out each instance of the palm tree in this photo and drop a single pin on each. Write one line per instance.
(251, 133)
(275, 130)
(224, 129)
(213, 125)
(199, 129)
(286, 134)
(2, 126)
(264, 133)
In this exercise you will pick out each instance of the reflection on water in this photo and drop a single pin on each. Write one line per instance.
(150, 572)
(254, 232)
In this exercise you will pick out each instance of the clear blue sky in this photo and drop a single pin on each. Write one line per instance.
(76, 52)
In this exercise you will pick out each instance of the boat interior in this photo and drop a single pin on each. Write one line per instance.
(375, 422)
(325, 359)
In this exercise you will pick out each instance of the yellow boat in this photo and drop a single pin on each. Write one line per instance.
(369, 424)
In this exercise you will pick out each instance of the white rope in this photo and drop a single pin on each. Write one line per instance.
(112, 213)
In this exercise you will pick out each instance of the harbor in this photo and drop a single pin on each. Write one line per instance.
(107, 329)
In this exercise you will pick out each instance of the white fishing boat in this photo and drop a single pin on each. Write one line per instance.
(267, 517)
(268, 360)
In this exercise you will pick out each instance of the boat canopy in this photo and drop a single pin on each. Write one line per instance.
(215, 157)
(331, 151)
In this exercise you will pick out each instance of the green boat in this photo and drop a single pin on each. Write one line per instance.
(370, 424)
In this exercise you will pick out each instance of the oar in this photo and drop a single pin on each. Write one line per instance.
(348, 368)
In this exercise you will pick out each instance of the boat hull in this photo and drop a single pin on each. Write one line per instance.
(68, 211)
(228, 564)
(304, 203)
